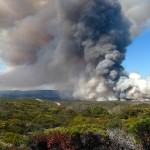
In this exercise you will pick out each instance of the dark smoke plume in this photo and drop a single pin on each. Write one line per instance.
(69, 44)
(103, 34)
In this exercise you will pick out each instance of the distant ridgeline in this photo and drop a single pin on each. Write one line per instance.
(38, 94)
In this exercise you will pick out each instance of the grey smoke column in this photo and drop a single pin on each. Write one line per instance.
(103, 34)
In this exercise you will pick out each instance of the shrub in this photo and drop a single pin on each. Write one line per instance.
(94, 111)
(81, 120)
(141, 130)
(99, 112)
(57, 141)
(12, 138)
(79, 129)
(2, 125)
(60, 141)
(39, 142)
(116, 123)
(146, 113)
(86, 141)
(126, 124)
(129, 113)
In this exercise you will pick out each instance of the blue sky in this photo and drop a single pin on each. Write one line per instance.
(3, 67)
(138, 55)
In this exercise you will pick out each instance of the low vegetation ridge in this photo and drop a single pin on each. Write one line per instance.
(39, 94)
(73, 125)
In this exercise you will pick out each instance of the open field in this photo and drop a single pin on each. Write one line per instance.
(25, 123)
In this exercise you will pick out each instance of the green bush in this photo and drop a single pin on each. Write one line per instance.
(11, 138)
(78, 129)
(16, 126)
(116, 123)
(130, 113)
(146, 113)
(94, 111)
(81, 120)
(141, 130)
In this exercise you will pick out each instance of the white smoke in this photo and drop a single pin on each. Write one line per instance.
(138, 11)
(142, 84)
(72, 44)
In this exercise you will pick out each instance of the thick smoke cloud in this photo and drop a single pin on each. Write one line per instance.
(70, 44)
(138, 12)
(16, 10)
(41, 49)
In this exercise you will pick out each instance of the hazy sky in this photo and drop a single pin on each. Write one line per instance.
(138, 55)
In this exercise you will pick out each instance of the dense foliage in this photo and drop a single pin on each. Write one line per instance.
(74, 125)
(141, 130)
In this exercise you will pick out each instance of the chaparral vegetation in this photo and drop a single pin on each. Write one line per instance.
(74, 125)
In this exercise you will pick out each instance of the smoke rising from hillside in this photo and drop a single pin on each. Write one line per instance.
(70, 44)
